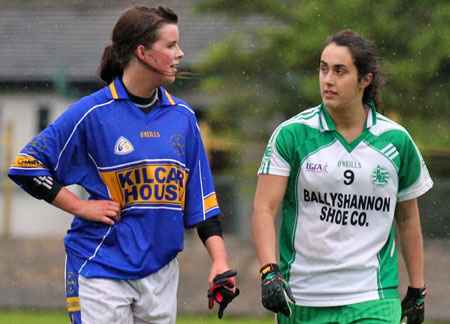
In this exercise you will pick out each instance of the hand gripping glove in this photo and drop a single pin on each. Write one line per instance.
(413, 306)
(276, 293)
(221, 291)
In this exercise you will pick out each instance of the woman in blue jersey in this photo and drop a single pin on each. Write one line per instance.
(345, 175)
(138, 152)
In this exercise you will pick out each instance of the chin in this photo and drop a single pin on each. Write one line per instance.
(167, 80)
(329, 103)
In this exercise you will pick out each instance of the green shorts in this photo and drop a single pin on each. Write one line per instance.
(373, 312)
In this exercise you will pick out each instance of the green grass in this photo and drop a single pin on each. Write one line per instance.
(59, 317)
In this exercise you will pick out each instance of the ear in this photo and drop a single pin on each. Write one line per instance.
(140, 52)
(366, 80)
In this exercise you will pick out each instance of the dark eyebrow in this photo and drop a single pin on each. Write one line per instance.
(336, 66)
(339, 66)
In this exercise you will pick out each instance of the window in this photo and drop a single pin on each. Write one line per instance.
(43, 115)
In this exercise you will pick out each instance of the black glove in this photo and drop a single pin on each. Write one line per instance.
(413, 305)
(221, 291)
(276, 293)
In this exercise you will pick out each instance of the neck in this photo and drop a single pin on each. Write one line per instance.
(349, 118)
(139, 83)
(350, 122)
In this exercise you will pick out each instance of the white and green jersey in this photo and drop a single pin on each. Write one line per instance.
(337, 235)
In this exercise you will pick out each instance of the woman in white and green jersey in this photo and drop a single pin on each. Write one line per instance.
(345, 174)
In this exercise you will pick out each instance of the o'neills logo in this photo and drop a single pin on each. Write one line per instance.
(316, 167)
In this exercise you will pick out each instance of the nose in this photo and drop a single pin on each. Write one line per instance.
(180, 53)
(328, 77)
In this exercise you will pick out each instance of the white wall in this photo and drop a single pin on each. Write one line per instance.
(29, 217)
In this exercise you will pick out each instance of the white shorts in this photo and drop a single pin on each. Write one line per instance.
(152, 299)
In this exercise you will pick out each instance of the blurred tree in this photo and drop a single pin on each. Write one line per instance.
(267, 71)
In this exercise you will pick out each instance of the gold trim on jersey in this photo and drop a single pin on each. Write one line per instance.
(73, 304)
(150, 184)
(169, 97)
(22, 161)
(210, 202)
(112, 87)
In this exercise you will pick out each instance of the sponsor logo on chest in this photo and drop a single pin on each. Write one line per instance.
(147, 184)
(316, 167)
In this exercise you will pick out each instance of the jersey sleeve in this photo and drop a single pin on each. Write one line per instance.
(58, 151)
(201, 200)
(276, 159)
(414, 178)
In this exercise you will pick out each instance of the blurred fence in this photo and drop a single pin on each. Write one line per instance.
(435, 204)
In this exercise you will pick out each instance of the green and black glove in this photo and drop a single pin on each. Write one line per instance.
(276, 293)
(413, 305)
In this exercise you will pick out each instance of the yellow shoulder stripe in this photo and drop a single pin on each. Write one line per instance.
(169, 97)
(113, 90)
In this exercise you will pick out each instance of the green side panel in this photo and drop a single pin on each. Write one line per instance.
(289, 226)
(387, 273)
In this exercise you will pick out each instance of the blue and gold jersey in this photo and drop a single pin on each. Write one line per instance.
(153, 164)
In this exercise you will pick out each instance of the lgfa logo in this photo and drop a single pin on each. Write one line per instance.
(123, 146)
(316, 167)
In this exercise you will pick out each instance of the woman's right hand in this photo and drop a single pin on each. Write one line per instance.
(104, 211)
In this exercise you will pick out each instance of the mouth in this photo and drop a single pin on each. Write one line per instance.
(329, 94)
(174, 67)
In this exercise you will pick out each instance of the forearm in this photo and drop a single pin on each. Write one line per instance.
(269, 193)
(264, 236)
(216, 249)
(68, 201)
(412, 251)
(411, 241)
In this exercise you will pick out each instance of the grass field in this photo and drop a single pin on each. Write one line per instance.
(40, 317)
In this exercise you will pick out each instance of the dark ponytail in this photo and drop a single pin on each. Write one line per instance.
(109, 67)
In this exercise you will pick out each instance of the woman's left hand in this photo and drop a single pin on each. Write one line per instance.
(217, 268)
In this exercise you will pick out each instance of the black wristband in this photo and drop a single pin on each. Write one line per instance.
(209, 227)
(41, 187)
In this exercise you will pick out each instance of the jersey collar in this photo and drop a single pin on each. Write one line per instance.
(327, 124)
(116, 91)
